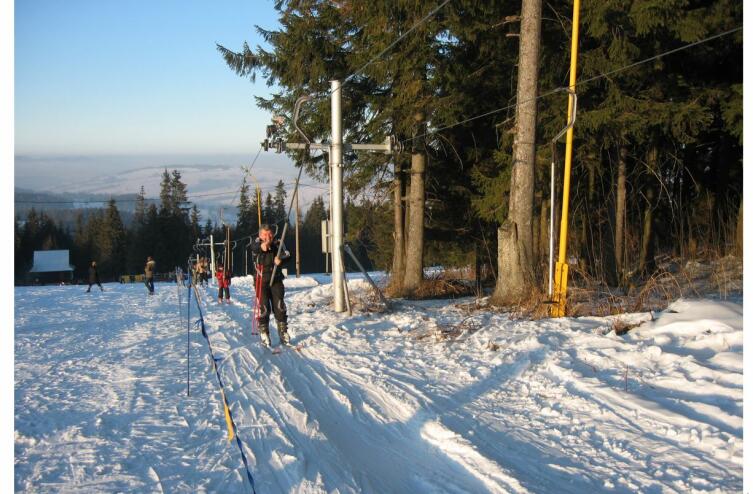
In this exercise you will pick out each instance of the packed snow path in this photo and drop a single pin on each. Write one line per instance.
(372, 402)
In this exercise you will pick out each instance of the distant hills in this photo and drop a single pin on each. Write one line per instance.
(211, 188)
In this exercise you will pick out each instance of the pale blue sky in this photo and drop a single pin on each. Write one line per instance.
(100, 77)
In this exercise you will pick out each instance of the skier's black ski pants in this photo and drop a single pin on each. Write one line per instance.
(273, 296)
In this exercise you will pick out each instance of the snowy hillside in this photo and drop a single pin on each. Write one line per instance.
(433, 396)
(210, 186)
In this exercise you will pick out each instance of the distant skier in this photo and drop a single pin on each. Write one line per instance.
(94, 277)
(149, 274)
(223, 282)
(196, 272)
(203, 272)
(264, 250)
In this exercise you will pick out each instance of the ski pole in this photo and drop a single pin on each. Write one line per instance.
(257, 293)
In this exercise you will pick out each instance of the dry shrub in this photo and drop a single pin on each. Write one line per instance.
(391, 289)
(442, 288)
(660, 290)
(475, 305)
(536, 304)
(586, 295)
(449, 283)
(674, 278)
(727, 276)
(721, 276)
(621, 326)
(368, 301)
(465, 273)
(444, 332)
(593, 302)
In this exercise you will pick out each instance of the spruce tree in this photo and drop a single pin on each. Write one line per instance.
(166, 193)
(195, 223)
(112, 242)
(321, 41)
(140, 207)
(312, 258)
(246, 223)
(279, 205)
(269, 213)
(668, 131)
(178, 193)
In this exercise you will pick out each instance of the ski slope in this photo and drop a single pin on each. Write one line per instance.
(374, 402)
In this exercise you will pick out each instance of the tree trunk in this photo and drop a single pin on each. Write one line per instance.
(398, 252)
(643, 263)
(722, 209)
(538, 247)
(592, 220)
(603, 234)
(514, 255)
(646, 261)
(414, 260)
(544, 237)
(591, 223)
(619, 215)
(739, 232)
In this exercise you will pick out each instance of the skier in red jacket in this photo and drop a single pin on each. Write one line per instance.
(223, 282)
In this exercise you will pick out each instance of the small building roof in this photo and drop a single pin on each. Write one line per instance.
(50, 261)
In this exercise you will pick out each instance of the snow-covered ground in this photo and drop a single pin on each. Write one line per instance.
(374, 402)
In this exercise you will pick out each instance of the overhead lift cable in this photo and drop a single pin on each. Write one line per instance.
(581, 83)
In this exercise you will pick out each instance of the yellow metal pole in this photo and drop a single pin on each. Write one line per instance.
(258, 195)
(560, 274)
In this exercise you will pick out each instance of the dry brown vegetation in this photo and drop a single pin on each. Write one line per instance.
(718, 277)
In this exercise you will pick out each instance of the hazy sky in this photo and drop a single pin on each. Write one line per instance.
(97, 77)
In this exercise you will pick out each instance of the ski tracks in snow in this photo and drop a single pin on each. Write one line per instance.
(373, 402)
(100, 399)
(314, 422)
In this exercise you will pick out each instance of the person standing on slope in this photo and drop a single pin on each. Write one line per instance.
(223, 282)
(94, 277)
(205, 274)
(201, 271)
(149, 275)
(264, 250)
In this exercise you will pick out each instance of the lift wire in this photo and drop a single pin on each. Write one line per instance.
(245, 173)
(396, 41)
(581, 83)
(350, 77)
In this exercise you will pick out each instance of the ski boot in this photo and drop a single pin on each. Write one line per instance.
(282, 329)
(264, 333)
